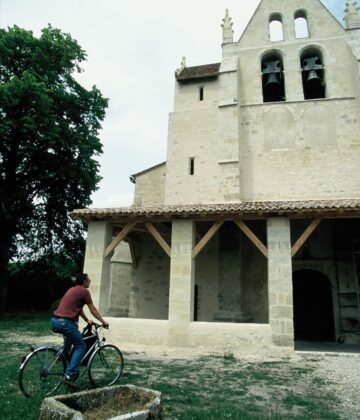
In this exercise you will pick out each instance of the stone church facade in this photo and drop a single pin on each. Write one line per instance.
(248, 236)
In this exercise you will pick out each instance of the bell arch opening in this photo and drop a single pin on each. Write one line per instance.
(301, 24)
(313, 306)
(313, 74)
(273, 84)
(276, 31)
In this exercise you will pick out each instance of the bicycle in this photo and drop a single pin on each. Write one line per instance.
(42, 370)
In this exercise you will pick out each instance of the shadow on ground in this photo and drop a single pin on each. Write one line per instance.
(326, 347)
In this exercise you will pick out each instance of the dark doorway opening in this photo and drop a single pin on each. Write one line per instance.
(313, 306)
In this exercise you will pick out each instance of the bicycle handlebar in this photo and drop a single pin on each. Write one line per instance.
(88, 327)
(106, 326)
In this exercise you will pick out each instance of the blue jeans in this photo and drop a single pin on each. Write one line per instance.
(72, 336)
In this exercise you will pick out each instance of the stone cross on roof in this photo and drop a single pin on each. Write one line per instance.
(352, 18)
(227, 28)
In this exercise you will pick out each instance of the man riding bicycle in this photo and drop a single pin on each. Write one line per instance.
(65, 321)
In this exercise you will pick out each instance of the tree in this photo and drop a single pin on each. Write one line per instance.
(49, 143)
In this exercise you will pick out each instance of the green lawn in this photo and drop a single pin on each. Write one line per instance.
(211, 387)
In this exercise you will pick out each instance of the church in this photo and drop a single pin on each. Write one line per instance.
(248, 236)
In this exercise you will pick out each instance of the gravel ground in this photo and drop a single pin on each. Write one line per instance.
(343, 371)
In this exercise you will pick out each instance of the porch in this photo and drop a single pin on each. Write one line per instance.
(189, 283)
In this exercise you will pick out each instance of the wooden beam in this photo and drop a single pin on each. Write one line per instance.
(305, 235)
(253, 238)
(118, 238)
(164, 245)
(206, 238)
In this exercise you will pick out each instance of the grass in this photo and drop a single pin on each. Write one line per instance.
(12, 404)
(211, 387)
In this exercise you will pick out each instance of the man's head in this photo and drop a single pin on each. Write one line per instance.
(83, 280)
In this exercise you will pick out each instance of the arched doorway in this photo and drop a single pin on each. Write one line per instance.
(313, 306)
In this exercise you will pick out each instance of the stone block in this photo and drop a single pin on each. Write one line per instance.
(122, 402)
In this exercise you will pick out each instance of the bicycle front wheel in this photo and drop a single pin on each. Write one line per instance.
(41, 372)
(105, 365)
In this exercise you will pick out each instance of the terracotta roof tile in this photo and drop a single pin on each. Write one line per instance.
(199, 72)
(244, 208)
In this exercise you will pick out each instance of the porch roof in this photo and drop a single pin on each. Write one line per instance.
(199, 72)
(244, 209)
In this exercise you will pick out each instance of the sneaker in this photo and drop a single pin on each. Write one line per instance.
(66, 380)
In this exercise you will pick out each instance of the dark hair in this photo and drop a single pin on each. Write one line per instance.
(81, 278)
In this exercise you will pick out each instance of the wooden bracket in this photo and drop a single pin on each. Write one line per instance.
(118, 238)
(206, 238)
(164, 245)
(253, 238)
(305, 235)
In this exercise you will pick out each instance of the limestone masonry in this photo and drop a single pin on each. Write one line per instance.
(248, 236)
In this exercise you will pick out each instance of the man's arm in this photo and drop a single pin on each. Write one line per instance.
(84, 317)
(96, 314)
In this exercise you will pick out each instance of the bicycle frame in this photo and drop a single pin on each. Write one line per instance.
(43, 368)
(60, 350)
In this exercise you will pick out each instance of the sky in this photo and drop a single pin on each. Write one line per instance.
(133, 48)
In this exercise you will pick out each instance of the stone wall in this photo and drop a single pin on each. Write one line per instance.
(299, 158)
(201, 336)
(230, 275)
(149, 296)
(150, 187)
(120, 281)
(192, 134)
(207, 281)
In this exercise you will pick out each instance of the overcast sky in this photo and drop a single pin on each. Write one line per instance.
(134, 47)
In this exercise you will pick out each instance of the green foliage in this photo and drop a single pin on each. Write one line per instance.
(49, 128)
(36, 284)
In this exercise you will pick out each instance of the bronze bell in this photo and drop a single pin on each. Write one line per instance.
(312, 76)
(272, 79)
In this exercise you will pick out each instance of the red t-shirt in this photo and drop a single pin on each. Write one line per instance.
(72, 303)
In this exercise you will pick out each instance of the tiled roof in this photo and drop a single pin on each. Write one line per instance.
(198, 72)
(244, 208)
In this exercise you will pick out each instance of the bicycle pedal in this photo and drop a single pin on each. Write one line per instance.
(70, 383)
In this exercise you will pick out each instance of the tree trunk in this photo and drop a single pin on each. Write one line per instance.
(5, 243)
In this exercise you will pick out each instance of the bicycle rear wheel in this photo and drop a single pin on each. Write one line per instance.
(105, 365)
(41, 372)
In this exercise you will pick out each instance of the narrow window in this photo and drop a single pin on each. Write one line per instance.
(273, 78)
(196, 302)
(191, 166)
(313, 74)
(201, 93)
(276, 28)
(301, 25)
